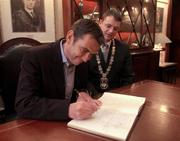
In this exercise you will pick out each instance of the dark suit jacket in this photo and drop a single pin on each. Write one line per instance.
(41, 89)
(121, 71)
(23, 22)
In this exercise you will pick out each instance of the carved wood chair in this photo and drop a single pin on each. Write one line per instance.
(11, 53)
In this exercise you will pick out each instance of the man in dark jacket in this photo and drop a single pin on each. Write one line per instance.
(112, 66)
(28, 19)
(51, 75)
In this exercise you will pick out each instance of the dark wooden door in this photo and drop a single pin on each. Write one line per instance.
(174, 50)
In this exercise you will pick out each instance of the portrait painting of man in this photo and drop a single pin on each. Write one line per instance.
(159, 19)
(28, 15)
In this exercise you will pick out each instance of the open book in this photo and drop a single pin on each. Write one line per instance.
(114, 119)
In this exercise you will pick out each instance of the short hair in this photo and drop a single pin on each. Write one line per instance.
(112, 12)
(87, 26)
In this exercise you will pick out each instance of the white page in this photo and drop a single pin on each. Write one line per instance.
(115, 117)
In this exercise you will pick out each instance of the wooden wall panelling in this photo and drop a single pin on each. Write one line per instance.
(67, 15)
(145, 64)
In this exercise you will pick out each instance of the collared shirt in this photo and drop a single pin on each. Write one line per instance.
(30, 12)
(69, 73)
(105, 50)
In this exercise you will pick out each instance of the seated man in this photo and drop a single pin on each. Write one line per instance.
(112, 66)
(51, 74)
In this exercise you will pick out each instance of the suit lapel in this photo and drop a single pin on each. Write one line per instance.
(57, 70)
(103, 63)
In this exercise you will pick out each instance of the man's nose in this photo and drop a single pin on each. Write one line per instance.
(111, 29)
(86, 57)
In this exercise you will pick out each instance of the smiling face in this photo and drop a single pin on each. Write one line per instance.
(80, 50)
(110, 27)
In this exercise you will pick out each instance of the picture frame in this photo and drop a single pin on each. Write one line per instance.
(161, 16)
(161, 27)
(7, 23)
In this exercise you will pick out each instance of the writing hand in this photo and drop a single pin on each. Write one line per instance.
(83, 96)
(84, 107)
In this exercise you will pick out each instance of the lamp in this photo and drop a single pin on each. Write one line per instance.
(160, 41)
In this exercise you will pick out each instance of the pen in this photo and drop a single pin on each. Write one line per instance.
(82, 90)
(96, 104)
(77, 93)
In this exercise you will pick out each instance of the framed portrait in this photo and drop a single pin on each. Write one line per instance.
(23, 18)
(161, 27)
(161, 16)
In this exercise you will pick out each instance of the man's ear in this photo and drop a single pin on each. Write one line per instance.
(70, 36)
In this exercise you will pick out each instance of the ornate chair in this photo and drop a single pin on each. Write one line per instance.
(11, 53)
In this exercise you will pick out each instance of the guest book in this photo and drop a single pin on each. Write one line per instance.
(114, 119)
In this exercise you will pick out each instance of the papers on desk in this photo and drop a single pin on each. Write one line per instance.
(114, 119)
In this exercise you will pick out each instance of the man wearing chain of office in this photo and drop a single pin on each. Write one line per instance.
(112, 66)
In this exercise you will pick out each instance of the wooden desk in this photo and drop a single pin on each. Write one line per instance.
(167, 72)
(159, 120)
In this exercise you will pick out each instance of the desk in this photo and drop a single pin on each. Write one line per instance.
(167, 72)
(159, 120)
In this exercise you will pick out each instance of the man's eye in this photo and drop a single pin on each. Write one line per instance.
(83, 50)
(108, 26)
(116, 29)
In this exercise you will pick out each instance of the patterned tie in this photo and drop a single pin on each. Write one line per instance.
(105, 50)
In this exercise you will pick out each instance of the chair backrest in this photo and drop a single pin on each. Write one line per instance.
(17, 42)
(10, 61)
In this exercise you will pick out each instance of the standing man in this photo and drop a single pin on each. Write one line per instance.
(52, 75)
(28, 19)
(112, 66)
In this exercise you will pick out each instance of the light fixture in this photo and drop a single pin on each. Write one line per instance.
(160, 41)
